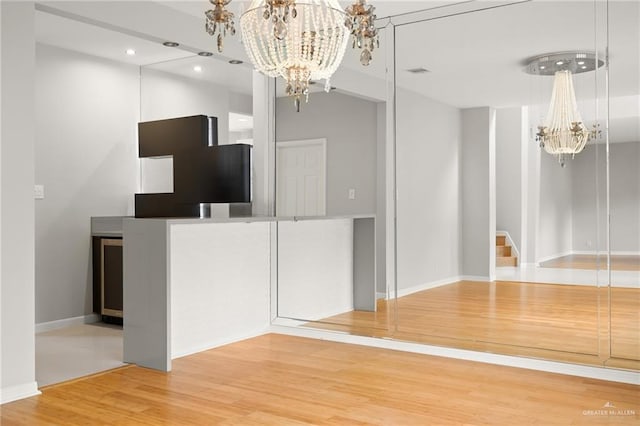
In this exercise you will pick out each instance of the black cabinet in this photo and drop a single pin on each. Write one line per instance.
(107, 278)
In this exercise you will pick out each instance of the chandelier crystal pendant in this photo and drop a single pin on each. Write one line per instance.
(361, 22)
(220, 21)
(310, 47)
(563, 133)
(279, 11)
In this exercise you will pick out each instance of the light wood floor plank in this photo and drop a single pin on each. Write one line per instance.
(550, 321)
(285, 380)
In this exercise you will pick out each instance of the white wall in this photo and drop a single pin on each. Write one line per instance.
(315, 268)
(86, 158)
(428, 177)
(509, 172)
(219, 284)
(478, 192)
(349, 125)
(588, 173)
(555, 209)
(17, 246)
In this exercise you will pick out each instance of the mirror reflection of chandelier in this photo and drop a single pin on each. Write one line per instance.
(299, 46)
(563, 132)
(220, 21)
(361, 22)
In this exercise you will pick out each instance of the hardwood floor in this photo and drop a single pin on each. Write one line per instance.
(284, 380)
(593, 262)
(557, 322)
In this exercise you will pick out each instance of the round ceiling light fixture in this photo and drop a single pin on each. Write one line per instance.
(575, 62)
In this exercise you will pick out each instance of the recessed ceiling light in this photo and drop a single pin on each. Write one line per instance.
(243, 120)
(584, 67)
(171, 44)
(580, 62)
(205, 53)
(559, 63)
(197, 68)
(542, 67)
(236, 62)
(130, 52)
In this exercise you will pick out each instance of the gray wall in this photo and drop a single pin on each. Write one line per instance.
(509, 173)
(555, 208)
(86, 158)
(588, 173)
(165, 95)
(478, 192)
(349, 125)
(428, 180)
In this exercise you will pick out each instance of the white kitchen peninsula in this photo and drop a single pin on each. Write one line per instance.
(193, 284)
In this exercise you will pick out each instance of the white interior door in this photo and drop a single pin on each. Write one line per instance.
(301, 178)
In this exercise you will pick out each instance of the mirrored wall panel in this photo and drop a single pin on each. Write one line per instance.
(503, 181)
(218, 97)
(330, 176)
(624, 183)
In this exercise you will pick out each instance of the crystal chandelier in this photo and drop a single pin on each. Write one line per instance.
(219, 20)
(361, 22)
(299, 41)
(563, 132)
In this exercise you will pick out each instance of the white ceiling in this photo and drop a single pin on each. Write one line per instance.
(475, 59)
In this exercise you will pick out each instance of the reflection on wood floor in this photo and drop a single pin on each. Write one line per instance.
(526, 319)
(593, 262)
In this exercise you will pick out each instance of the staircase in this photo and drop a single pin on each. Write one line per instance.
(504, 257)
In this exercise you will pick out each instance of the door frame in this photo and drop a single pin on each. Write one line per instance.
(280, 145)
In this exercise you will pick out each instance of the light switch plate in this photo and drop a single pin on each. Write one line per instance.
(38, 192)
(352, 194)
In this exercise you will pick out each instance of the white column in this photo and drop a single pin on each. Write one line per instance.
(17, 210)
(263, 145)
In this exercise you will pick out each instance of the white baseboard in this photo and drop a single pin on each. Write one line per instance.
(426, 286)
(439, 283)
(602, 253)
(600, 373)
(474, 278)
(14, 393)
(217, 343)
(381, 295)
(555, 256)
(67, 322)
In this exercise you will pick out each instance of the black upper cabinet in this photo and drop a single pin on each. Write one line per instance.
(203, 171)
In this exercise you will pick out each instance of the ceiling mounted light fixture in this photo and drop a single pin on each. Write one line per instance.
(299, 41)
(361, 22)
(220, 21)
(563, 132)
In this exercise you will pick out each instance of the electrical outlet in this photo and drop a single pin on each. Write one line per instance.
(352, 194)
(38, 192)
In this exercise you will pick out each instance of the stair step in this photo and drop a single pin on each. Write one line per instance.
(506, 261)
(501, 240)
(504, 251)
